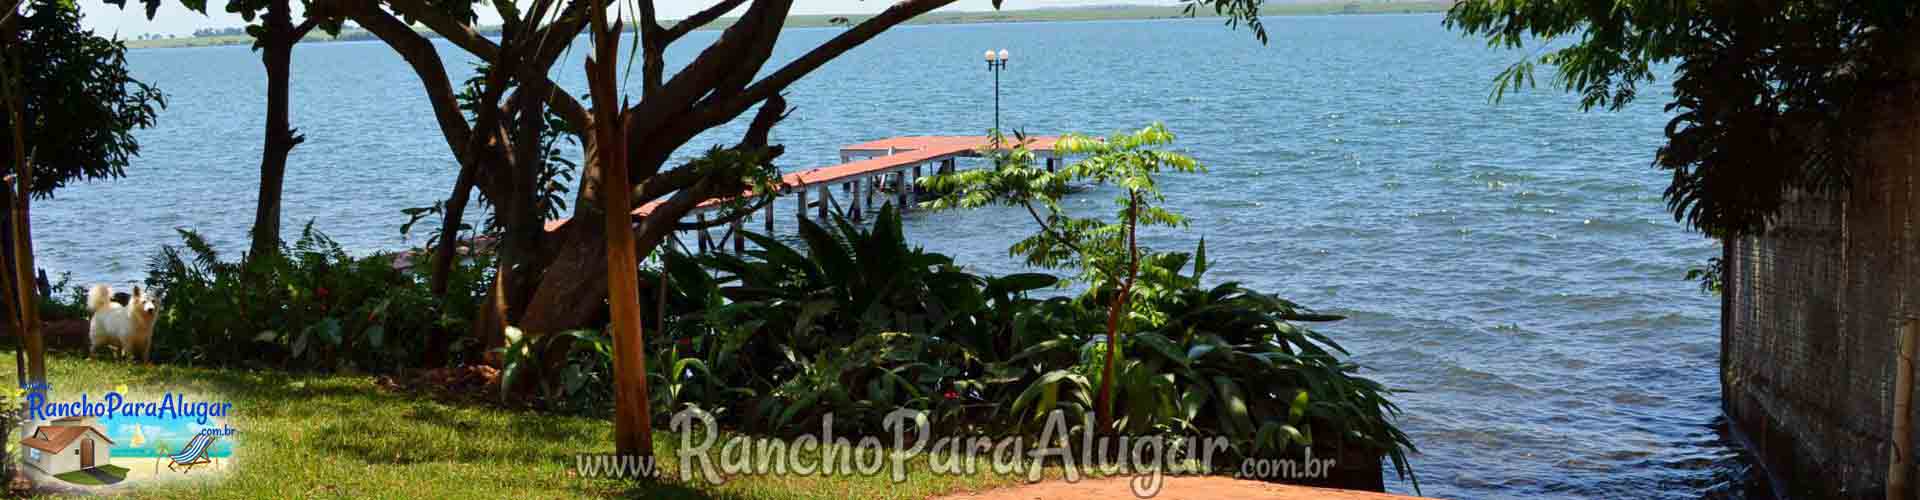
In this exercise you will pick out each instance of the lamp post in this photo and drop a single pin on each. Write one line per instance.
(996, 62)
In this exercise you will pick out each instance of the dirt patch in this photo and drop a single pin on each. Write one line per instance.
(467, 383)
(60, 334)
(1176, 488)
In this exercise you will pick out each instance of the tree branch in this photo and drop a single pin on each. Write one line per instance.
(649, 20)
(666, 216)
(699, 19)
(300, 32)
(1049, 229)
(737, 44)
(420, 54)
(461, 34)
(661, 121)
(10, 20)
(845, 41)
(653, 47)
(470, 40)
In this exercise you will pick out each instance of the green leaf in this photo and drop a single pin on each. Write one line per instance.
(1294, 435)
(1200, 260)
(1142, 400)
(1193, 400)
(1022, 282)
(1235, 416)
(300, 344)
(329, 330)
(827, 252)
(1298, 409)
(793, 410)
(1043, 394)
(377, 336)
(1165, 347)
(572, 378)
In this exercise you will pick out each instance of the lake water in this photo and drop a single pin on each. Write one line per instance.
(1510, 266)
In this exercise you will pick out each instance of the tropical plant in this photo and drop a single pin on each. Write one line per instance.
(1177, 356)
(582, 383)
(64, 300)
(859, 323)
(1249, 360)
(319, 307)
(1105, 252)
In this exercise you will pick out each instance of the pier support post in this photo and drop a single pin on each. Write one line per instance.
(706, 239)
(900, 188)
(802, 211)
(826, 198)
(913, 186)
(769, 214)
(855, 202)
(739, 243)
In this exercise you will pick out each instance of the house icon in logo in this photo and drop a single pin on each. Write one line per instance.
(67, 445)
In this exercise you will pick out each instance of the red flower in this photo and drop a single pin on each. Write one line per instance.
(952, 395)
(684, 342)
(322, 292)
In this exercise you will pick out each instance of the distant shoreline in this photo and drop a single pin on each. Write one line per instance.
(1068, 14)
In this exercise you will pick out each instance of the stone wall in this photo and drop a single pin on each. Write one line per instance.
(1813, 312)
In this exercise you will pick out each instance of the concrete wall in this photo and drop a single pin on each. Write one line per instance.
(69, 460)
(1812, 315)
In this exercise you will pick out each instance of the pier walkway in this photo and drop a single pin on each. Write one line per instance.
(865, 170)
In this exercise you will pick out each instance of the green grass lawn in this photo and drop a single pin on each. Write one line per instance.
(344, 437)
(84, 478)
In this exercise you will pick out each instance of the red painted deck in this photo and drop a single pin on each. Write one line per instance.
(905, 153)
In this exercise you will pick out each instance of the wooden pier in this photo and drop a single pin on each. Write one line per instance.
(896, 163)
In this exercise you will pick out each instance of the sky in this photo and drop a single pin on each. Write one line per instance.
(172, 19)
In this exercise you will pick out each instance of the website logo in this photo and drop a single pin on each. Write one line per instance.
(112, 439)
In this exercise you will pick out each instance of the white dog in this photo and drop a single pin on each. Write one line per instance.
(128, 328)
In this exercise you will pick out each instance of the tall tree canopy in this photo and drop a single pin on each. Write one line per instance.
(550, 280)
(1769, 93)
(81, 105)
(70, 108)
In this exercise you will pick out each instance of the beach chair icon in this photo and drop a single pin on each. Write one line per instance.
(195, 453)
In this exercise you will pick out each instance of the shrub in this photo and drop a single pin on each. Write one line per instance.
(860, 324)
(312, 304)
(64, 300)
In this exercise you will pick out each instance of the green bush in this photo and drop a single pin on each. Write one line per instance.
(64, 300)
(860, 324)
(311, 305)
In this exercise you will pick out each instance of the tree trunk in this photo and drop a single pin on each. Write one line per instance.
(571, 291)
(20, 249)
(443, 258)
(276, 54)
(1900, 468)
